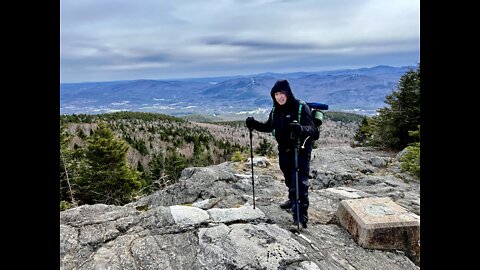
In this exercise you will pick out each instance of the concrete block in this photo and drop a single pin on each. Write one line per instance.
(380, 223)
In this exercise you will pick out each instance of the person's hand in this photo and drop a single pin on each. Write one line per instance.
(250, 121)
(296, 128)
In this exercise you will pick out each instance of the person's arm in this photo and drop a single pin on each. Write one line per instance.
(261, 126)
(265, 126)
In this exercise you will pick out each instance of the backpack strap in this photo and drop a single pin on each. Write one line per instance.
(300, 110)
(299, 116)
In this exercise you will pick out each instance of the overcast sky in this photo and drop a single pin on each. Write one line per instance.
(107, 40)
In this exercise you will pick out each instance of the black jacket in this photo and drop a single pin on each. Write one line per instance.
(284, 115)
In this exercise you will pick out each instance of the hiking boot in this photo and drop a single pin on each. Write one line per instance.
(295, 227)
(286, 205)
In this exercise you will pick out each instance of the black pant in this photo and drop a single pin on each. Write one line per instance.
(287, 165)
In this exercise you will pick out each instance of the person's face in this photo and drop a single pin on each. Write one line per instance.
(281, 98)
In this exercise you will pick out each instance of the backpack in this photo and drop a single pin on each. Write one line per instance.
(317, 114)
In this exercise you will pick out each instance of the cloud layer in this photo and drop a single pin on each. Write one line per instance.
(151, 39)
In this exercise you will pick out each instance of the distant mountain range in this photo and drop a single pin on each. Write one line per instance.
(353, 90)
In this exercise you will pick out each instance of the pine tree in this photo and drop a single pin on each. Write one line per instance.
(106, 176)
(265, 148)
(67, 197)
(156, 166)
(174, 164)
(154, 176)
(364, 132)
(403, 115)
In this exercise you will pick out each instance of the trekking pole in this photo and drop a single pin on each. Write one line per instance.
(296, 180)
(251, 161)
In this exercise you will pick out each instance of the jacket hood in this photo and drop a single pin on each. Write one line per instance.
(282, 86)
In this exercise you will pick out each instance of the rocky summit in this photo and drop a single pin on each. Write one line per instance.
(207, 220)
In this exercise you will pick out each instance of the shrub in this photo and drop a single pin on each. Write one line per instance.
(410, 161)
(237, 156)
(64, 205)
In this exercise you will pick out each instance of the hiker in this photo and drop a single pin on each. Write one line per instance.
(287, 131)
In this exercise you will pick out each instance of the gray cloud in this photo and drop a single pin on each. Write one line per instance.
(256, 44)
(149, 39)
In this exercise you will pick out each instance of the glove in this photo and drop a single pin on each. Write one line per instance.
(250, 121)
(296, 128)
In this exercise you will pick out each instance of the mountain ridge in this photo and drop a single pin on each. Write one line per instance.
(362, 89)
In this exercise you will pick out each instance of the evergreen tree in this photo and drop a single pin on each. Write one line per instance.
(106, 176)
(67, 198)
(154, 176)
(265, 148)
(201, 157)
(174, 164)
(403, 115)
(156, 166)
(364, 132)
